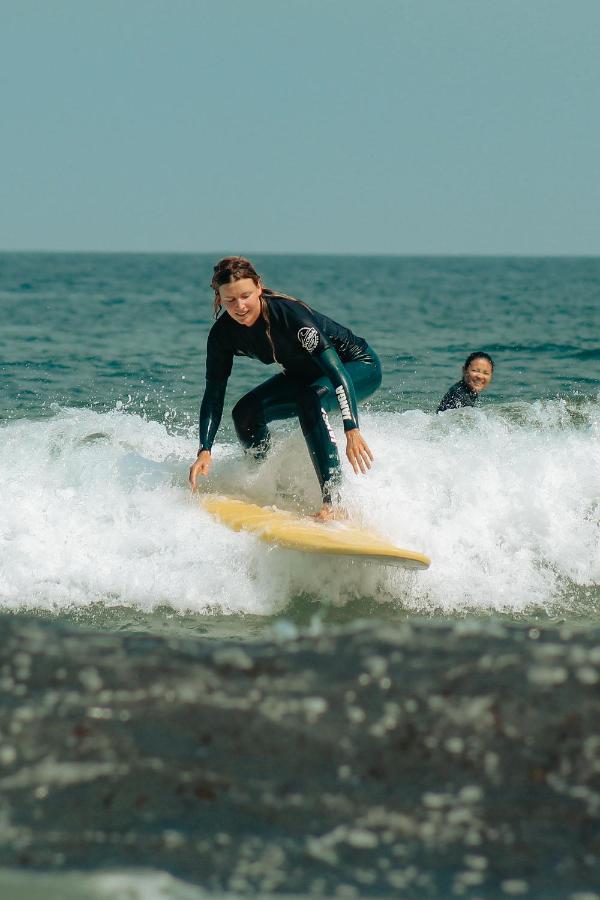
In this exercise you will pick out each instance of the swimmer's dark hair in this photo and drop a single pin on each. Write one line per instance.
(480, 354)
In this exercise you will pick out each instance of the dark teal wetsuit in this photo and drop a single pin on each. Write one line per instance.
(323, 364)
(459, 395)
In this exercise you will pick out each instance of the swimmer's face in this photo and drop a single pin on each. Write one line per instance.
(241, 300)
(478, 375)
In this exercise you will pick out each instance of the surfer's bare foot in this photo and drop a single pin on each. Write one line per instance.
(329, 513)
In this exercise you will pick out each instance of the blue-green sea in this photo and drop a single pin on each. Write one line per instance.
(187, 711)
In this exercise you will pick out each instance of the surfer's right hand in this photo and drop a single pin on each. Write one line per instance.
(200, 467)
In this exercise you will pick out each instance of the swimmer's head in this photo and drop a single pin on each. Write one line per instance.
(478, 371)
(230, 270)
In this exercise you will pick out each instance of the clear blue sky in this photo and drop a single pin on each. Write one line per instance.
(344, 126)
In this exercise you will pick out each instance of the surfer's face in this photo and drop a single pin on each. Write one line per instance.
(241, 300)
(478, 375)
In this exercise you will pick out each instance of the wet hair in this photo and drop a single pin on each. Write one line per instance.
(236, 268)
(231, 268)
(480, 354)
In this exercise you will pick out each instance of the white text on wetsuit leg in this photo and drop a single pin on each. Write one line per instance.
(343, 401)
(328, 426)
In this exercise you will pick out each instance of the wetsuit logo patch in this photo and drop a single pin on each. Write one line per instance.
(309, 338)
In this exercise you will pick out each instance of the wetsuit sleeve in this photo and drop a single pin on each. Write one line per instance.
(211, 410)
(219, 361)
(333, 367)
(310, 338)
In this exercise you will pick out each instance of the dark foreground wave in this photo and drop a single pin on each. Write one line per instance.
(418, 759)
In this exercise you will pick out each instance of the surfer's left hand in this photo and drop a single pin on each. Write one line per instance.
(200, 467)
(358, 452)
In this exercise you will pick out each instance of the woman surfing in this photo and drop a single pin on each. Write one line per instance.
(323, 364)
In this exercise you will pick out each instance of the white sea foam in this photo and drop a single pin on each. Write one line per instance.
(506, 503)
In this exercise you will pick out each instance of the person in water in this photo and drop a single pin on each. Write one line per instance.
(477, 374)
(323, 365)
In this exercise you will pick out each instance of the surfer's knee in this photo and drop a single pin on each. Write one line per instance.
(250, 426)
(310, 406)
(245, 415)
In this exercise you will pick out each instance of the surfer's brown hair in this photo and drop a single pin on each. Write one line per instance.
(236, 268)
(228, 269)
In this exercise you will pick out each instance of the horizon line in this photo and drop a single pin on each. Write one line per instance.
(320, 253)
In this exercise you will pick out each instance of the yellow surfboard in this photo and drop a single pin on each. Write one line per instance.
(275, 526)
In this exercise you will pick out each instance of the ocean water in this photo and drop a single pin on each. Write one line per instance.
(188, 711)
